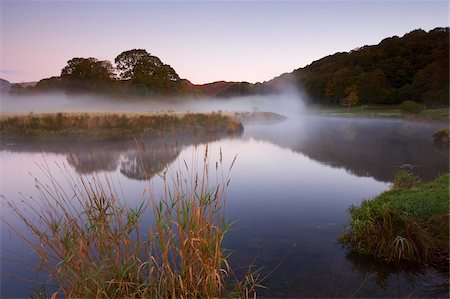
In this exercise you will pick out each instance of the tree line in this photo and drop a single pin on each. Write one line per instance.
(414, 67)
(135, 71)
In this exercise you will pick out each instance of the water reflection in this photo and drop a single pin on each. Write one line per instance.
(289, 194)
(138, 159)
(384, 273)
(365, 147)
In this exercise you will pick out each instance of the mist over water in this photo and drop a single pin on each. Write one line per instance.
(291, 185)
(288, 103)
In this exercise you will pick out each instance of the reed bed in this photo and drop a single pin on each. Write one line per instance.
(115, 125)
(93, 245)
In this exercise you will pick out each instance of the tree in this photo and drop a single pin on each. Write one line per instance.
(136, 64)
(88, 74)
(374, 88)
(146, 72)
(140, 67)
(88, 69)
(352, 98)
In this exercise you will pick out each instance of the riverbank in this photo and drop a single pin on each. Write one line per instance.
(427, 115)
(407, 223)
(104, 126)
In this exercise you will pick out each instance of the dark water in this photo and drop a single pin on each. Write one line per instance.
(289, 193)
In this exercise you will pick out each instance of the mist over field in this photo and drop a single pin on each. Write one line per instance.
(288, 103)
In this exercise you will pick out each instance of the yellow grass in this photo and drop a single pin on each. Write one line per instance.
(114, 125)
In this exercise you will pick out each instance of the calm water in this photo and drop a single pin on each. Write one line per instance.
(289, 193)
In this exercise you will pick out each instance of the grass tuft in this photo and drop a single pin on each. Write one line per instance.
(403, 223)
(405, 180)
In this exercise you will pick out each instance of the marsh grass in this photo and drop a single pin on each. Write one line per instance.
(92, 244)
(115, 125)
(403, 224)
(405, 180)
(442, 137)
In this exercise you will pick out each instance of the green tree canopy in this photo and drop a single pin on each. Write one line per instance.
(88, 69)
(352, 98)
(139, 66)
(84, 74)
(412, 67)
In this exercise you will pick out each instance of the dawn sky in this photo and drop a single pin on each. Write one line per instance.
(204, 41)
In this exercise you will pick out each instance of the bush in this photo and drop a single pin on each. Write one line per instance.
(411, 107)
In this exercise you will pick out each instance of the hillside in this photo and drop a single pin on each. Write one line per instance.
(413, 67)
(4, 85)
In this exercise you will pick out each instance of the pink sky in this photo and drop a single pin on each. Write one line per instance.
(203, 41)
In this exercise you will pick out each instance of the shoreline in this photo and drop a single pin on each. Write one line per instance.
(433, 115)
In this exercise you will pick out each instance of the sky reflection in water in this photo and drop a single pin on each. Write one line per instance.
(289, 193)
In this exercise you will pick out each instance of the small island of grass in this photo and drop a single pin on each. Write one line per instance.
(407, 223)
(115, 125)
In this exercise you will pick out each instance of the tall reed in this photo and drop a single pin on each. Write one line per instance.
(93, 245)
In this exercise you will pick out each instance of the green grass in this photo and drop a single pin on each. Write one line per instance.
(91, 244)
(403, 224)
(434, 114)
(115, 125)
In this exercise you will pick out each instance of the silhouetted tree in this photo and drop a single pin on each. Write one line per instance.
(88, 69)
(140, 67)
(88, 74)
(137, 63)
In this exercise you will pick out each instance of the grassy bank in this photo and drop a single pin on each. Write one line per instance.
(408, 222)
(115, 125)
(434, 114)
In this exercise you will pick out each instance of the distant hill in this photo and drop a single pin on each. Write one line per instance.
(218, 89)
(5, 85)
(412, 67)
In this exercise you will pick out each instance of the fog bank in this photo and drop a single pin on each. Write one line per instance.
(288, 103)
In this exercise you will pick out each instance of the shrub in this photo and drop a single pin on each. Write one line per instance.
(411, 107)
(441, 137)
